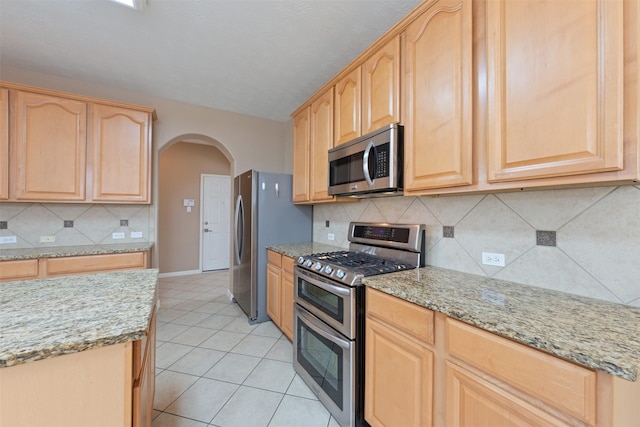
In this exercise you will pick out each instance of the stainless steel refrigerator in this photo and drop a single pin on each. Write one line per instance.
(264, 215)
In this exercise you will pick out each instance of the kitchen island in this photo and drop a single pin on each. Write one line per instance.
(78, 350)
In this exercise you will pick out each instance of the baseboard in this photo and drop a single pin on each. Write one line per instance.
(179, 273)
(229, 295)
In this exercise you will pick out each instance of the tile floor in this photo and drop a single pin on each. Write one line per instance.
(214, 369)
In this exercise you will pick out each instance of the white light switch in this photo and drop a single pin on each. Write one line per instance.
(136, 234)
(8, 239)
(47, 239)
(117, 236)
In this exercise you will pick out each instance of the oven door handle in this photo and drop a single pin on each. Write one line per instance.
(340, 290)
(318, 327)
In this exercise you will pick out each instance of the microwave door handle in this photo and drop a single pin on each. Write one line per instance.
(365, 163)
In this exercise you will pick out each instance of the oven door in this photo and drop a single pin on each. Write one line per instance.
(325, 361)
(330, 301)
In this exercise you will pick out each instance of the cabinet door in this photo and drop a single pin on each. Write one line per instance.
(4, 144)
(273, 293)
(48, 147)
(554, 88)
(286, 289)
(381, 87)
(438, 95)
(347, 108)
(301, 154)
(321, 141)
(475, 402)
(121, 154)
(398, 379)
(144, 383)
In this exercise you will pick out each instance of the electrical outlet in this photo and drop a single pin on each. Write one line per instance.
(117, 236)
(489, 258)
(136, 234)
(331, 236)
(8, 239)
(47, 239)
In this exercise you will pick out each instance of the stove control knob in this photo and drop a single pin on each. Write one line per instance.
(308, 263)
(317, 266)
(328, 269)
(340, 274)
(301, 260)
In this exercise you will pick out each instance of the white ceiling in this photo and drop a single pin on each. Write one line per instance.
(263, 58)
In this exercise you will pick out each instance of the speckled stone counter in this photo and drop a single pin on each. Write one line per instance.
(44, 318)
(295, 250)
(63, 251)
(597, 334)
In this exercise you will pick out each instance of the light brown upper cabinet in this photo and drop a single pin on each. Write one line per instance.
(321, 141)
(48, 147)
(4, 143)
(72, 148)
(301, 150)
(381, 87)
(554, 88)
(121, 151)
(437, 94)
(347, 108)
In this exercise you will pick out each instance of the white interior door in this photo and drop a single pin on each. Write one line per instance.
(216, 222)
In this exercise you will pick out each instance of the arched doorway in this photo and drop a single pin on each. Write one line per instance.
(182, 164)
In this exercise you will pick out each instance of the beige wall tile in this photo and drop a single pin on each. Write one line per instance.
(34, 222)
(451, 209)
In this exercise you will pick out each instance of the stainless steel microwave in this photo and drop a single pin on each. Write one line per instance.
(368, 166)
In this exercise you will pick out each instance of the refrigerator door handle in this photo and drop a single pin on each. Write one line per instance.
(239, 229)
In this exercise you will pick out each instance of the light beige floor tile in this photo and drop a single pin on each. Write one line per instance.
(210, 307)
(216, 321)
(171, 302)
(248, 407)
(282, 351)
(168, 353)
(168, 420)
(240, 325)
(166, 314)
(333, 423)
(169, 386)
(203, 399)
(271, 375)
(193, 336)
(253, 345)
(297, 411)
(223, 341)
(234, 368)
(231, 310)
(267, 329)
(169, 330)
(192, 318)
(189, 305)
(197, 361)
(300, 389)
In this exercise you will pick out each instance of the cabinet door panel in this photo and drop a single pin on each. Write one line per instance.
(301, 148)
(347, 108)
(4, 144)
(381, 87)
(273, 293)
(474, 402)
(121, 145)
(398, 379)
(554, 88)
(48, 147)
(321, 142)
(438, 95)
(286, 310)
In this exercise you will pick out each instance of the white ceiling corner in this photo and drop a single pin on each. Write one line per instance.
(260, 57)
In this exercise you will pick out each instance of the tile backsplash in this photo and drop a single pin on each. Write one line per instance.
(596, 230)
(72, 224)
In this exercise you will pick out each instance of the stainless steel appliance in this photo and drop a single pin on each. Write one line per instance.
(368, 166)
(329, 311)
(264, 215)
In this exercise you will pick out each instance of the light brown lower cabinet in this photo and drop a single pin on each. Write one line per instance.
(107, 386)
(418, 361)
(280, 291)
(64, 266)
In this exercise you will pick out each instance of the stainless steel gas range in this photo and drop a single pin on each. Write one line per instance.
(329, 311)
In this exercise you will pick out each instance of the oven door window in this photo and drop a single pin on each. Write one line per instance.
(323, 360)
(327, 302)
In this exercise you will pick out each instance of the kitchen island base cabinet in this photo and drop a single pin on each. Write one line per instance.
(96, 387)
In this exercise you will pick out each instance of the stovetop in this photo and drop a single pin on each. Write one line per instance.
(360, 262)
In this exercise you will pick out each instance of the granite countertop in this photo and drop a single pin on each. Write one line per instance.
(593, 333)
(62, 251)
(295, 250)
(45, 318)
